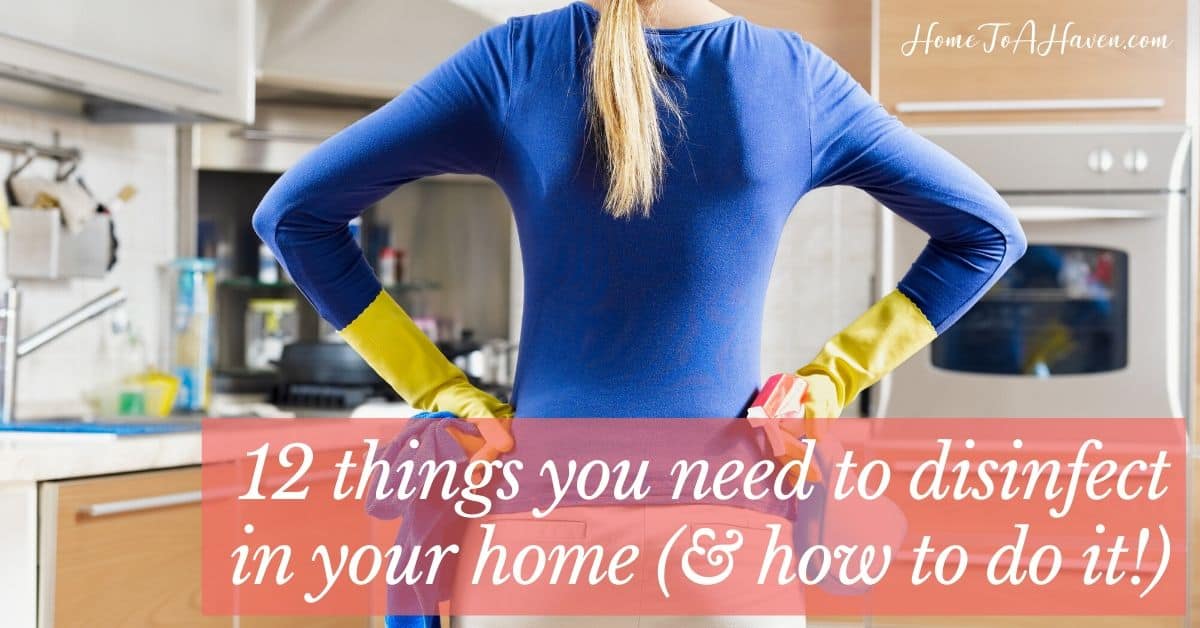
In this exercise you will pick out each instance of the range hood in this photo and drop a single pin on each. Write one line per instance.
(324, 63)
(368, 48)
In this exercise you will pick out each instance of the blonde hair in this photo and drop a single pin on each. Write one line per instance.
(625, 93)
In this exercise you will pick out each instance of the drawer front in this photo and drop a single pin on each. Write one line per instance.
(122, 550)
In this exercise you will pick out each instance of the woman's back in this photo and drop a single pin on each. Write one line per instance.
(656, 315)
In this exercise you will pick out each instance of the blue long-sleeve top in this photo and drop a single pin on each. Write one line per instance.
(657, 316)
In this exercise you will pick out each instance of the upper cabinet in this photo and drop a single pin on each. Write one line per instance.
(185, 58)
(1059, 63)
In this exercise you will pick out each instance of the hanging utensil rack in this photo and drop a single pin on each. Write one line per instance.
(57, 153)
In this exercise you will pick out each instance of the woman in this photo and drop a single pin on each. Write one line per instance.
(652, 152)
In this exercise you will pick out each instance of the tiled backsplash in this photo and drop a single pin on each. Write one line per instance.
(53, 380)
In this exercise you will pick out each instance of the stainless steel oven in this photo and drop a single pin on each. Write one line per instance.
(1092, 322)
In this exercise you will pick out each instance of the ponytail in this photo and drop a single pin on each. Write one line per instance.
(625, 92)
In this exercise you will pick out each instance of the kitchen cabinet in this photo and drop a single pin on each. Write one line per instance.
(187, 58)
(957, 84)
(122, 550)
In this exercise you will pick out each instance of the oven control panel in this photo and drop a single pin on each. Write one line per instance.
(1072, 159)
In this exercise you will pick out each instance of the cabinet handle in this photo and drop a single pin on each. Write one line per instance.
(155, 502)
(140, 504)
(1066, 104)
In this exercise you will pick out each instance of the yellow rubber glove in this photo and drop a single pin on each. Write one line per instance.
(889, 333)
(407, 360)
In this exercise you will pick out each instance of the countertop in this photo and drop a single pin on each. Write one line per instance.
(31, 457)
(34, 457)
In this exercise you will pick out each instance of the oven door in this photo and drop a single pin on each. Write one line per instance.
(1087, 324)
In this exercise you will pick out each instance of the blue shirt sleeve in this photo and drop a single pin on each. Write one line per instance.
(973, 235)
(451, 121)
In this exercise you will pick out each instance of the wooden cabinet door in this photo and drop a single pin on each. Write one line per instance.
(1131, 85)
(122, 550)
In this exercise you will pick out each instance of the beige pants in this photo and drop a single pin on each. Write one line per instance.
(613, 525)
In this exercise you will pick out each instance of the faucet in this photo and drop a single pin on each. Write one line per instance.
(15, 349)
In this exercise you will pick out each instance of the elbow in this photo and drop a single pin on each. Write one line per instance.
(1018, 244)
(995, 242)
(277, 210)
(1015, 242)
(266, 221)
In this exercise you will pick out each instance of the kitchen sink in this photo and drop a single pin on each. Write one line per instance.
(102, 427)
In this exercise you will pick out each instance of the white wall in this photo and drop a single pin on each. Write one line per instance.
(53, 380)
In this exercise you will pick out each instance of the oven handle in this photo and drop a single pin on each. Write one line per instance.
(1057, 213)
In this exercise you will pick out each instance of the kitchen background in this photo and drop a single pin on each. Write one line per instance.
(190, 109)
